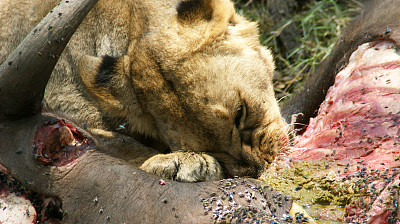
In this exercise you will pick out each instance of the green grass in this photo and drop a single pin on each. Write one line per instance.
(319, 24)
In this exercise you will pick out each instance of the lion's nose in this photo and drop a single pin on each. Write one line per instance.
(271, 145)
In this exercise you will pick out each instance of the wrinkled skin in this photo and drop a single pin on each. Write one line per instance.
(189, 79)
(113, 183)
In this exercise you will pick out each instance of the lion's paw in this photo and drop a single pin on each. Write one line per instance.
(184, 166)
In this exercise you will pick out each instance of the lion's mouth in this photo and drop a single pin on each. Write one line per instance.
(244, 166)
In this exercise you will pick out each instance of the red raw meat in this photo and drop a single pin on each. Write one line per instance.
(358, 129)
(59, 143)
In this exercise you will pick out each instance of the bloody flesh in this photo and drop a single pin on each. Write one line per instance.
(59, 143)
(357, 133)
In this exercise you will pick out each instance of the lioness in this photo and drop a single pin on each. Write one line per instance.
(190, 75)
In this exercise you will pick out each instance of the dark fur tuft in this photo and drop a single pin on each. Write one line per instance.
(188, 6)
(106, 70)
(190, 9)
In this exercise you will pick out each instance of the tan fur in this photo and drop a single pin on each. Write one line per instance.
(179, 79)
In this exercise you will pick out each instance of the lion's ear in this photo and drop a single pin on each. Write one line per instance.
(107, 79)
(217, 10)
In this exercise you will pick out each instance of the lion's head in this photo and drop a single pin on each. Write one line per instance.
(203, 83)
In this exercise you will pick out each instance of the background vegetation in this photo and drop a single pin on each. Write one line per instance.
(300, 33)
